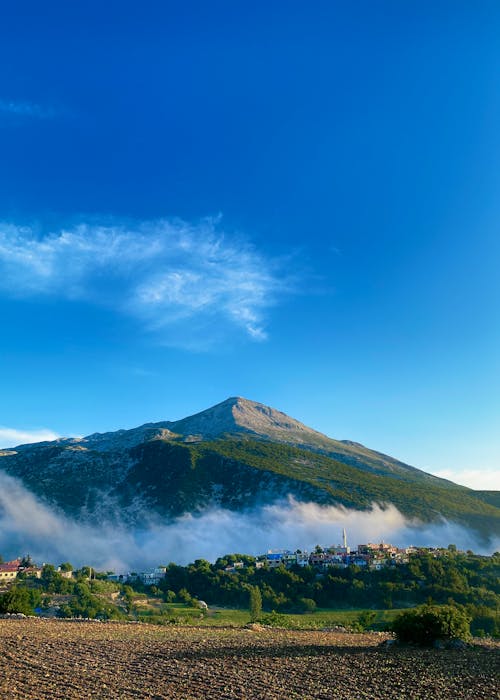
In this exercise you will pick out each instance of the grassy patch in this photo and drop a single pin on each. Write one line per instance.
(221, 617)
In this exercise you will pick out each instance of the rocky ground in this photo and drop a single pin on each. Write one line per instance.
(56, 659)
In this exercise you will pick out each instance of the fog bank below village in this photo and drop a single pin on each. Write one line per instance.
(27, 525)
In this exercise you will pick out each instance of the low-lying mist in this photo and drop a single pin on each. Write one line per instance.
(29, 526)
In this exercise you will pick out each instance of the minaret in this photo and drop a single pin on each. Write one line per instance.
(344, 538)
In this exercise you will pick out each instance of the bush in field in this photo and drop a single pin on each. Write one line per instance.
(485, 622)
(364, 621)
(274, 619)
(429, 623)
(304, 605)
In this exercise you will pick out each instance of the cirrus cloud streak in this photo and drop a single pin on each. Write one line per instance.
(190, 281)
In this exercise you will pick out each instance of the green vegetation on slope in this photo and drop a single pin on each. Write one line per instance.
(336, 482)
(172, 477)
(491, 497)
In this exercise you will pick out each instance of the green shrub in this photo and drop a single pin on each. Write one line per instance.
(184, 596)
(364, 621)
(304, 605)
(274, 619)
(485, 624)
(64, 611)
(428, 623)
(169, 596)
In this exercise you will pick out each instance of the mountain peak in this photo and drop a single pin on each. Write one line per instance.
(240, 415)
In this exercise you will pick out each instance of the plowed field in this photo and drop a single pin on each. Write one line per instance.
(75, 660)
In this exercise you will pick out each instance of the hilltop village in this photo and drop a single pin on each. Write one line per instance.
(369, 556)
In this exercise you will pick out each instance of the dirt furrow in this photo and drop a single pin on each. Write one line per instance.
(42, 660)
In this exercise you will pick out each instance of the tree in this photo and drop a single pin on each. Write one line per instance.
(17, 600)
(169, 596)
(49, 577)
(184, 596)
(254, 603)
(128, 597)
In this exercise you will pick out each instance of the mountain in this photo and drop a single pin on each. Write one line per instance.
(240, 417)
(238, 454)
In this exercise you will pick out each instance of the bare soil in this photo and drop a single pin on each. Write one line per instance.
(74, 660)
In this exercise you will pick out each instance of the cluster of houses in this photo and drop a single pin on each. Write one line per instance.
(152, 577)
(372, 556)
(10, 570)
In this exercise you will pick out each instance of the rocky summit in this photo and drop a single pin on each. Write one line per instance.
(238, 415)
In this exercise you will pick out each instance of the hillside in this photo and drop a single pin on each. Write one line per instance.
(237, 455)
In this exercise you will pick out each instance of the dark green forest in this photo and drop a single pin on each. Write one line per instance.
(453, 578)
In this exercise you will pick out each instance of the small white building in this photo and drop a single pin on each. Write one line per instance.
(153, 576)
(302, 558)
(9, 571)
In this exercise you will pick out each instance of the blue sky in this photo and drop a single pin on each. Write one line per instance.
(297, 204)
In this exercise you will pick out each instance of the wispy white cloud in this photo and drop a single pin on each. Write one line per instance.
(479, 479)
(172, 275)
(30, 525)
(26, 109)
(10, 437)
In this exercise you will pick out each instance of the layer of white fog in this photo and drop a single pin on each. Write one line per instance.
(29, 526)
